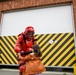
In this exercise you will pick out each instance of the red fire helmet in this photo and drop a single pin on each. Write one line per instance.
(29, 29)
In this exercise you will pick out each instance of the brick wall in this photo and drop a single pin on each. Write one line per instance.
(74, 11)
(17, 4)
(20, 4)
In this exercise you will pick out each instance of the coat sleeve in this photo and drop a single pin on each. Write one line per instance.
(17, 47)
(26, 58)
(29, 57)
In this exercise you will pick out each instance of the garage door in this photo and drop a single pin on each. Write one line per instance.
(54, 30)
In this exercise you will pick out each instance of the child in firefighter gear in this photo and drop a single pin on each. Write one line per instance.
(24, 44)
(33, 64)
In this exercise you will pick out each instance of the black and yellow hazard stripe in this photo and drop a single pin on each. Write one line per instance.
(0, 51)
(61, 52)
(8, 55)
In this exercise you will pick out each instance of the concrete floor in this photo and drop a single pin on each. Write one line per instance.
(16, 72)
